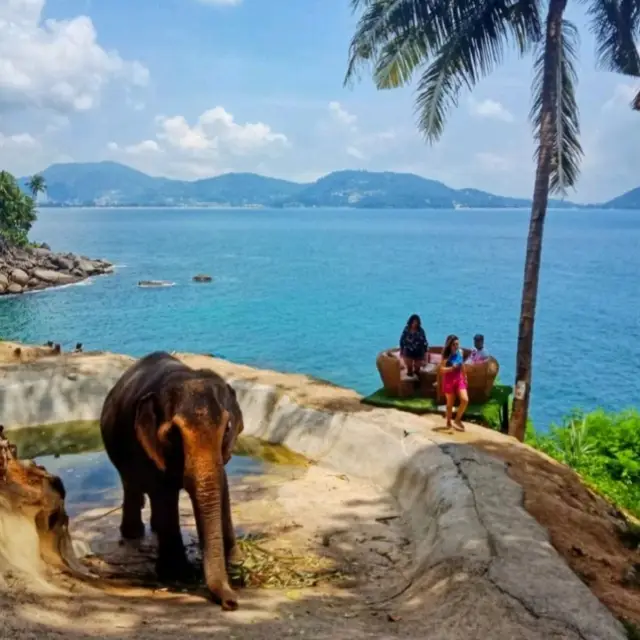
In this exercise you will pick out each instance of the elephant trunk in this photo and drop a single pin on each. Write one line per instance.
(206, 496)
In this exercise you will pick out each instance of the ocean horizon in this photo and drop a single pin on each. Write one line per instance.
(322, 291)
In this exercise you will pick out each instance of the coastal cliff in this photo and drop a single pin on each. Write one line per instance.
(25, 269)
(514, 535)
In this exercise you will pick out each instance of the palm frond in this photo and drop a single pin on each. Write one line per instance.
(567, 151)
(478, 35)
(384, 22)
(616, 26)
(636, 103)
(398, 36)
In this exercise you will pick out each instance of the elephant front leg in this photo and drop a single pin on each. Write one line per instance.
(172, 563)
(132, 527)
(229, 535)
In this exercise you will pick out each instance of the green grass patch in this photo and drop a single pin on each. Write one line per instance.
(604, 448)
(488, 413)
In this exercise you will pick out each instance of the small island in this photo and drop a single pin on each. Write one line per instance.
(23, 265)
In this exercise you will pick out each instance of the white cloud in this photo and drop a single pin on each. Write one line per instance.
(18, 141)
(489, 109)
(354, 152)
(493, 162)
(209, 146)
(341, 115)
(146, 146)
(216, 131)
(55, 63)
(623, 95)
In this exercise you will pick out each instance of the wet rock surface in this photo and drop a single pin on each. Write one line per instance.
(33, 269)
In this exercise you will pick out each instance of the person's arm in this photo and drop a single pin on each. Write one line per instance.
(403, 340)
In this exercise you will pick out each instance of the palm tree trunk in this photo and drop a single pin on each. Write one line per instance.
(550, 97)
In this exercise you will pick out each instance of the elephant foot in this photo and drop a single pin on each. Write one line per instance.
(225, 596)
(132, 530)
(172, 570)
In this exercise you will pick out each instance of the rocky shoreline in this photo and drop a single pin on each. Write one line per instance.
(33, 269)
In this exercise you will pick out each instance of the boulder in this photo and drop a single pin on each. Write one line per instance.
(19, 254)
(53, 277)
(19, 277)
(41, 252)
(33, 282)
(78, 273)
(4, 280)
(88, 266)
(14, 288)
(62, 262)
(202, 277)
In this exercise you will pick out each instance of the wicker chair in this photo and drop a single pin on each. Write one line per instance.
(480, 377)
(390, 370)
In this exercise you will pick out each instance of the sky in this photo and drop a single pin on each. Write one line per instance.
(194, 88)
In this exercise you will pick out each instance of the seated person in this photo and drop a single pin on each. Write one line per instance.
(478, 353)
(413, 345)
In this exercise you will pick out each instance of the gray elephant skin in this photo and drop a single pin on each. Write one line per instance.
(168, 427)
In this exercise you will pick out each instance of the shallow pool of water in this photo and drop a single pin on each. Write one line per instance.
(74, 452)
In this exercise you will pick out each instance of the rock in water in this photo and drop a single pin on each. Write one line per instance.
(202, 277)
(155, 283)
(53, 277)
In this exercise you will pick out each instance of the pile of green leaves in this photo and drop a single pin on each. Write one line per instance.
(604, 448)
(17, 211)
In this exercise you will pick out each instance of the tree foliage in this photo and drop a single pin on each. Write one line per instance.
(36, 185)
(604, 448)
(17, 211)
(451, 46)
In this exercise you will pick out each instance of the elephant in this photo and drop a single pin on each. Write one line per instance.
(167, 427)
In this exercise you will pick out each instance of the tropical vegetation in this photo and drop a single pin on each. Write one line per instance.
(604, 448)
(453, 45)
(17, 210)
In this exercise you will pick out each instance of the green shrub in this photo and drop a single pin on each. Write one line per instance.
(602, 447)
(17, 211)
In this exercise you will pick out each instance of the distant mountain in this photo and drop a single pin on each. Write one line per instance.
(628, 200)
(113, 184)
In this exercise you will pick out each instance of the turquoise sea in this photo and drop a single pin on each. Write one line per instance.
(322, 291)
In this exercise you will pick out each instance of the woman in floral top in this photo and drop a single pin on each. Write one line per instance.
(413, 345)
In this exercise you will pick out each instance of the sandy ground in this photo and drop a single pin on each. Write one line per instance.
(333, 522)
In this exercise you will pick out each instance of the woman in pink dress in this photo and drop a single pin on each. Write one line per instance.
(454, 381)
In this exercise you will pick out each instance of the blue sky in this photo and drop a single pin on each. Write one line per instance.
(193, 88)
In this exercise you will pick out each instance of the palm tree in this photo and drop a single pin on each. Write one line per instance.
(36, 185)
(452, 44)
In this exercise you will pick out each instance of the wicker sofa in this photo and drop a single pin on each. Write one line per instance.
(481, 376)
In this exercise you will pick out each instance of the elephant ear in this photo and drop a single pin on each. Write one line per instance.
(151, 436)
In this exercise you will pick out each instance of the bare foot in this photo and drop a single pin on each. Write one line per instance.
(458, 425)
(443, 428)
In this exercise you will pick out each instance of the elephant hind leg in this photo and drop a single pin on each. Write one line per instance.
(132, 527)
(172, 561)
